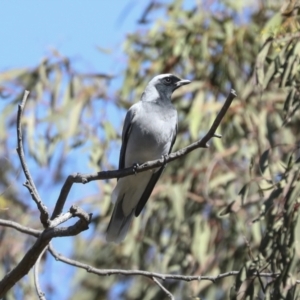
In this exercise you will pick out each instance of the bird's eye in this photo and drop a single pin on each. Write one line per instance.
(168, 80)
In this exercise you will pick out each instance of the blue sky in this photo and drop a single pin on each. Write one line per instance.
(30, 29)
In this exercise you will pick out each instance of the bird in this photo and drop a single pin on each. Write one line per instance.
(149, 133)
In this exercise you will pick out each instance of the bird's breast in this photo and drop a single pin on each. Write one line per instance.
(150, 138)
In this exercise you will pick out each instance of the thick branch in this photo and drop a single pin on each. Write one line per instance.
(24, 265)
(44, 216)
(85, 178)
(43, 240)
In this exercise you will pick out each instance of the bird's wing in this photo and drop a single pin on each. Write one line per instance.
(125, 135)
(120, 222)
(153, 180)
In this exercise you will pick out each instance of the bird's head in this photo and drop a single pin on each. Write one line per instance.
(163, 86)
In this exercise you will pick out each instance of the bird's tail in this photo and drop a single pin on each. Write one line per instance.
(119, 223)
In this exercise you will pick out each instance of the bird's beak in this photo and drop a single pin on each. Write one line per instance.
(181, 83)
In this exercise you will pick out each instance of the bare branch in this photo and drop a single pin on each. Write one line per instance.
(63, 195)
(20, 228)
(151, 275)
(24, 265)
(163, 288)
(44, 216)
(40, 293)
(60, 219)
(81, 225)
(212, 131)
(74, 211)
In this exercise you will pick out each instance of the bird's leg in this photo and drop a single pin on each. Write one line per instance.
(135, 166)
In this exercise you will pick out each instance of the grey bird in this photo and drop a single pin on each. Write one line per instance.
(149, 133)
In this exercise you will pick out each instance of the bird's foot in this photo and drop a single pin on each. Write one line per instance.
(164, 158)
(135, 166)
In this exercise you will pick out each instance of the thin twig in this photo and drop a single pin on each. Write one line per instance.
(80, 225)
(44, 216)
(163, 288)
(39, 291)
(85, 178)
(20, 227)
(62, 197)
(151, 275)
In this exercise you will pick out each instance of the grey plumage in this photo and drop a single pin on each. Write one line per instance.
(149, 132)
